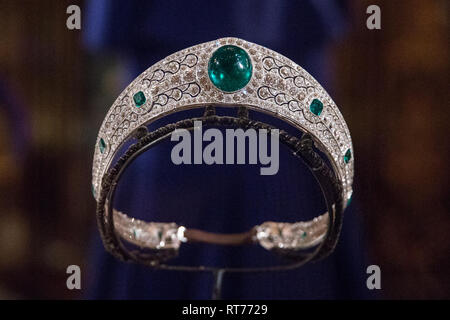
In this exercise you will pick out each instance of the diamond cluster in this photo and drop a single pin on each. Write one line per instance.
(298, 235)
(151, 235)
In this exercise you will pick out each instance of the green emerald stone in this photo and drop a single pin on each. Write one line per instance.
(230, 68)
(349, 201)
(304, 234)
(102, 145)
(347, 156)
(316, 107)
(93, 190)
(139, 99)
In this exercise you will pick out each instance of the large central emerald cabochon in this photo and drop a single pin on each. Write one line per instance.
(230, 68)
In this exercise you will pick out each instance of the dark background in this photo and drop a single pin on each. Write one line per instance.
(390, 84)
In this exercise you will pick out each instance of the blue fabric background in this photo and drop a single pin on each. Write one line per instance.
(222, 198)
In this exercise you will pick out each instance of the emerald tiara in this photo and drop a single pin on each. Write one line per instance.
(225, 72)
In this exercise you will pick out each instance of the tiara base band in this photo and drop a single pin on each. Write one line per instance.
(322, 232)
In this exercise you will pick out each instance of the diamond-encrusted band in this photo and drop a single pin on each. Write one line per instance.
(270, 235)
(201, 76)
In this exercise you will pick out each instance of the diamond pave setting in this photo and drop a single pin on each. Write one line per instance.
(277, 86)
(151, 235)
(292, 236)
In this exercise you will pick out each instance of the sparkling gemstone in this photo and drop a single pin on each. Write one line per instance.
(102, 145)
(316, 107)
(137, 233)
(230, 68)
(160, 235)
(349, 201)
(93, 190)
(139, 99)
(269, 235)
(348, 156)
